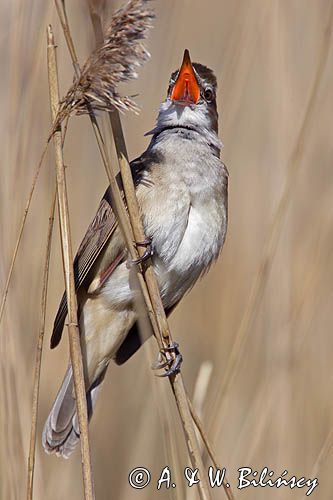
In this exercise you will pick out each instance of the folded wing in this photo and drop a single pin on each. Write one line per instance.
(99, 232)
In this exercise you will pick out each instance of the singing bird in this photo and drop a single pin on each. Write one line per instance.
(182, 190)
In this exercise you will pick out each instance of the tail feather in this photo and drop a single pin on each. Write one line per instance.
(61, 431)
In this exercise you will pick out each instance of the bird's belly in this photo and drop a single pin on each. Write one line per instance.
(180, 257)
(200, 245)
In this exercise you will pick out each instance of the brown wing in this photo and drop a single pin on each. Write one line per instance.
(98, 233)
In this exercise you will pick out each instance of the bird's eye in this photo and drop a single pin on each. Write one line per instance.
(208, 94)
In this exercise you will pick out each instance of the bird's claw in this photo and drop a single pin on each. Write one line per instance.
(169, 357)
(148, 252)
(145, 243)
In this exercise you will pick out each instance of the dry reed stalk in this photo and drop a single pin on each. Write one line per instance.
(117, 200)
(18, 241)
(274, 231)
(67, 254)
(172, 457)
(39, 349)
(210, 451)
(162, 333)
(134, 232)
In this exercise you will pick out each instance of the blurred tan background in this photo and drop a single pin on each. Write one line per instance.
(262, 318)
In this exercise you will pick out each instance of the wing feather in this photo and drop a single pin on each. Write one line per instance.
(97, 235)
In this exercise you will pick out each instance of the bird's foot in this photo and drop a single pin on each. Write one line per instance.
(148, 252)
(169, 358)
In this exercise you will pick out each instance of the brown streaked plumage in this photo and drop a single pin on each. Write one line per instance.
(98, 234)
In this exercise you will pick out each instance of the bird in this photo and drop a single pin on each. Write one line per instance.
(182, 190)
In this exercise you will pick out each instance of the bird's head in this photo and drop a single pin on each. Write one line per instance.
(191, 99)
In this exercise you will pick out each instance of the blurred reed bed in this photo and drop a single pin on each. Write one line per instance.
(276, 410)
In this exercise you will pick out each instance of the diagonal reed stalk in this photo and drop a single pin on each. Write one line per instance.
(67, 255)
(148, 286)
(117, 200)
(210, 451)
(19, 237)
(39, 349)
(199, 394)
(162, 332)
(23, 221)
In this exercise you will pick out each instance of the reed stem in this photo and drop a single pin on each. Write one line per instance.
(67, 254)
(19, 237)
(39, 349)
(162, 333)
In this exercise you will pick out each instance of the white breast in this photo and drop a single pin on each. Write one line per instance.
(183, 202)
(199, 247)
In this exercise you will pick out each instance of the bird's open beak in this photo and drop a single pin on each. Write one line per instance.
(186, 89)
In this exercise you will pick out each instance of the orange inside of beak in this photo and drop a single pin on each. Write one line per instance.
(186, 88)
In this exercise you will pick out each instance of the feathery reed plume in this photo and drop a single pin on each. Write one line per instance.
(116, 60)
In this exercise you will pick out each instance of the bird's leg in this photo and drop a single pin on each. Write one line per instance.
(169, 357)
(147, 244)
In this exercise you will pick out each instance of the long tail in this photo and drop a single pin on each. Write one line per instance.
(61, 431)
